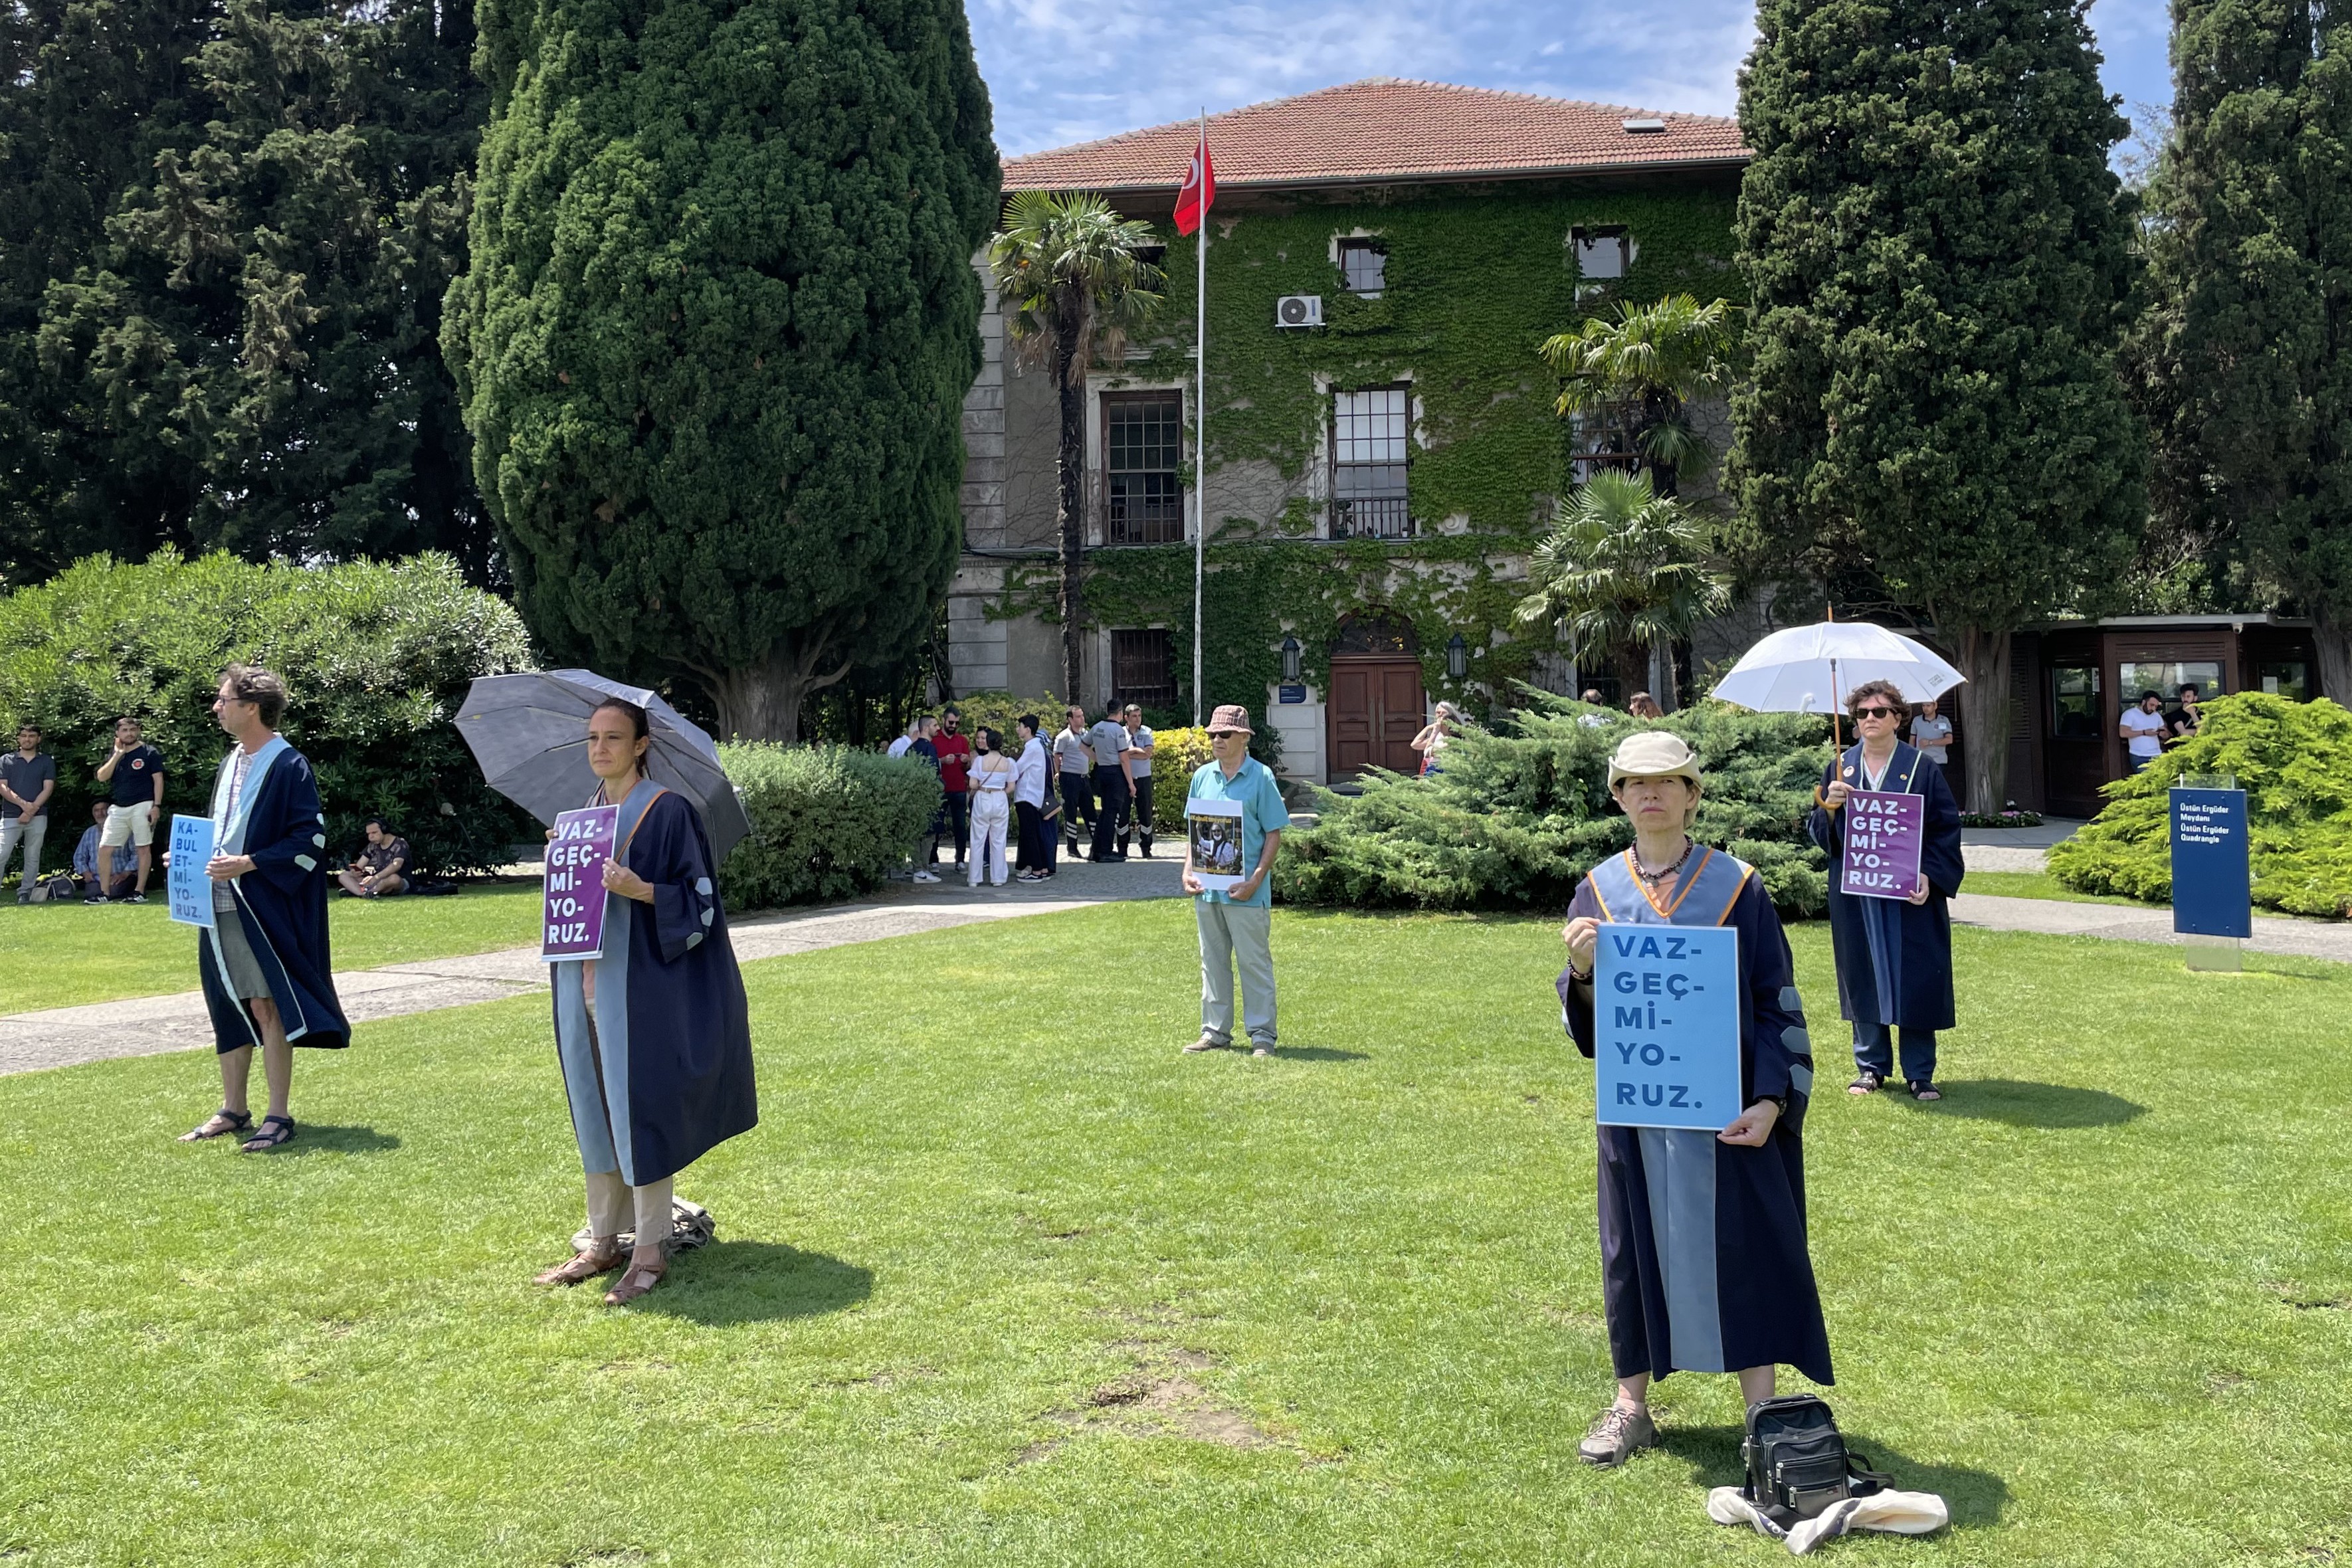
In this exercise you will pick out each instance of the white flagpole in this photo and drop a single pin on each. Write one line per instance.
(1200, 417)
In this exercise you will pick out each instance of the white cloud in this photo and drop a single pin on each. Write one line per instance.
(1071, 71)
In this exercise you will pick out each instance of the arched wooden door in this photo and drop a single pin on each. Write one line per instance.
(1375, 705)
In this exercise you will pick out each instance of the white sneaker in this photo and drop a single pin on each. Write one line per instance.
(927, 876)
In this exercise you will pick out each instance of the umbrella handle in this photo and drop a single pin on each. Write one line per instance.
(1837, 740)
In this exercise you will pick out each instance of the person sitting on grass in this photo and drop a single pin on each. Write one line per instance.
(93, 885)
(379, 871)
(264, 961)
(1704, 1263)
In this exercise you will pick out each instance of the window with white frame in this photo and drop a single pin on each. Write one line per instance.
(1601, 253)
(1371, 440)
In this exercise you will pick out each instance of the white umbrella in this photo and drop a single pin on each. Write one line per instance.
(1807, 670)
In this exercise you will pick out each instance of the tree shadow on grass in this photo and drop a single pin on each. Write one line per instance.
(1975, 1497)
(2019, 1104)
(731, 1282)
(318, 1138)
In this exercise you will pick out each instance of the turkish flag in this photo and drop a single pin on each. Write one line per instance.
(1199, 190)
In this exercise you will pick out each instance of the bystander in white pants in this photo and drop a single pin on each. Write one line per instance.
(989, 816)
(1232, 935)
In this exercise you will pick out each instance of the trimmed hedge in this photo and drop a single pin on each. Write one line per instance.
(827, 822)
(2292, 759)
(1514, 818)
(1176, 756)
(377, 655)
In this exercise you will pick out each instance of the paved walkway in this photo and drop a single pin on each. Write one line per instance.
(2124, 922)
(148, 1025)
(2014, 849)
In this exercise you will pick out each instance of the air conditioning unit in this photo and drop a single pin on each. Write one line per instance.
(1298, 311)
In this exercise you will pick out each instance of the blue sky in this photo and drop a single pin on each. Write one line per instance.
(1070, 70)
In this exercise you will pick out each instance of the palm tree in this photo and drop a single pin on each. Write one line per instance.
(1072, 287)
(1623, 569)
(1639, 374)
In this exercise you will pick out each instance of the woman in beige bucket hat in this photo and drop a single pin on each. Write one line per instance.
(1704, 1262)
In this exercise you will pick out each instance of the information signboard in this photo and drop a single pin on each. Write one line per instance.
(573, 922)
(2211, 873)
(1666, 1003)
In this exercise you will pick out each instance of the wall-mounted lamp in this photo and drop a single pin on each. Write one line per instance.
(1457, 658)
(1290, 659)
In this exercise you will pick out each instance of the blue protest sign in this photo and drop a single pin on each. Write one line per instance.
(1666, 1004)
(2211, 875)
(184, 882)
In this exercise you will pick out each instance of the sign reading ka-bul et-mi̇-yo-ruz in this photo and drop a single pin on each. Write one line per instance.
(1666, 1009)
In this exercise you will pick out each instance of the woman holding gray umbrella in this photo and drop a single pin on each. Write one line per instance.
(654, 1037)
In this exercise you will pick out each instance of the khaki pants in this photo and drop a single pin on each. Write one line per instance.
(614, 1206)
(1236, 935)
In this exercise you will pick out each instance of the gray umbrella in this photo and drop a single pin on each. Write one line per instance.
(530, 733)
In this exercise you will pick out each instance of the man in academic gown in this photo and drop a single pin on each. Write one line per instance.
(269, 980)
(1894, 956)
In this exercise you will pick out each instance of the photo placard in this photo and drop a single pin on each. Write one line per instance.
(1213, 830)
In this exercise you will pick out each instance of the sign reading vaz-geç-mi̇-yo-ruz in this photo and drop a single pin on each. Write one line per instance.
(1666, 1009)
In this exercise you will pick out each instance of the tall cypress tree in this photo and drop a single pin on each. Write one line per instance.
(89, 91)
(2245, 359)
(719, 326)
(1940, 266)
(240, 348)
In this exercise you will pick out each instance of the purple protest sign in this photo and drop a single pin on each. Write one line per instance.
(1884, 834)
(572, 926)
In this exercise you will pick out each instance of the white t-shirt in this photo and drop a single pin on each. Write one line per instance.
(899, 747)
(2142, 728)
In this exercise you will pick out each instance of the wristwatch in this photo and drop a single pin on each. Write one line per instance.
(1780, 1101)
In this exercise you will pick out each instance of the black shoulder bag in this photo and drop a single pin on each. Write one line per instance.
(1797, 1460)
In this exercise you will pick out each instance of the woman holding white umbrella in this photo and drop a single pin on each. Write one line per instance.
(1894, 955)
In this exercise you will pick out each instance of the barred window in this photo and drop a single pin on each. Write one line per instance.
(1371, 436)
(1143, 454)
(1143, 668)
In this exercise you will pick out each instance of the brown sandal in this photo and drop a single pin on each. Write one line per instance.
(583, 1267)
(637, 1282)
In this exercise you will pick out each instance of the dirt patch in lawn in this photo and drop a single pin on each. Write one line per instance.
(1157, 1399)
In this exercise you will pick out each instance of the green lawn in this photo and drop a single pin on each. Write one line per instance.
(1004, 1280)
(2041, 885)
(59, 956)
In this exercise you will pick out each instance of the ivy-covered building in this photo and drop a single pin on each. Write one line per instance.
(1384, 260)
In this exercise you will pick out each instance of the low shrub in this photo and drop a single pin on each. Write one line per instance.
(998, 710)
(1176, 756)
(377, 655)
(2010, 817)
(1515, 816)
(2292, 759)
(826, 821)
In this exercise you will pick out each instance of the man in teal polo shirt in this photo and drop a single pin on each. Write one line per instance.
(1236, 924)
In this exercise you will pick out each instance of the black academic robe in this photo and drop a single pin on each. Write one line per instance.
(281, 905)
(666, 1074)
(1893, 957)
(1704, 1261)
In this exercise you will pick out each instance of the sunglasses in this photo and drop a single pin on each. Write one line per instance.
(1877, 713)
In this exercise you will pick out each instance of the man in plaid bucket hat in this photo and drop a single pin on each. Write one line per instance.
(1233, 813)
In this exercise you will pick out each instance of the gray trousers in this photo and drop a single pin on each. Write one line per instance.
(1235, 934)
(14, 828)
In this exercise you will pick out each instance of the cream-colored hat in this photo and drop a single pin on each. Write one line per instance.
(1652, 753)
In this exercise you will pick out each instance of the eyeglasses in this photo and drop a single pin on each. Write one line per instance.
(1876, 712)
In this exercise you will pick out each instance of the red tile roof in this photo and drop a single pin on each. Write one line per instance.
(1382, 129)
